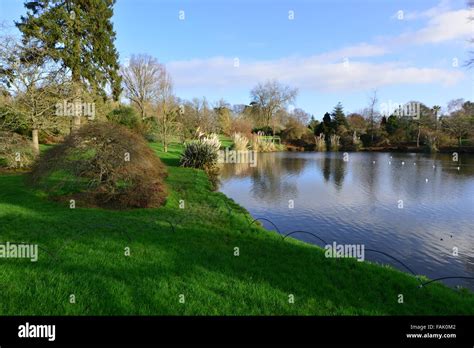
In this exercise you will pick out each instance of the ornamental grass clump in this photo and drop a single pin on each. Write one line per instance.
(240, 142)
(200, 154)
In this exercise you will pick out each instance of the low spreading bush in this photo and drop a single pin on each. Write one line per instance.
(102, 164)
(16, 151)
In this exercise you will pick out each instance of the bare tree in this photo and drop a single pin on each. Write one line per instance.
(34, 84)
(271, 97)
(144, 80)
(167, 111)
(371, 113)
(460, 122)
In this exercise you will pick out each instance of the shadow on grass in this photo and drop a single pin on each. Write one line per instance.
(196, 258)
(199, 260)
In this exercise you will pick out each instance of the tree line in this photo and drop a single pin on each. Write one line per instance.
(65, 71)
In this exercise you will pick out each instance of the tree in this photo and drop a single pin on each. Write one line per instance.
(167, 112)
(340, 121)
(424, 121)
(79, 35)
(271, 97)
(145, 81)
(224, 116)
(357, 122)
(326, 128)
(392, 124)
(295, 125)
(313, 123)
(35, 84)
(460, 123)
(124, 115)
(371, 114)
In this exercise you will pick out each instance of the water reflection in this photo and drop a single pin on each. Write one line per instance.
(358, 201)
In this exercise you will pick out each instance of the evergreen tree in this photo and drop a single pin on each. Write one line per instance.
(79, 35)
(326, 127)
(392, 124)
(327, 119)
(313, 123)
(339, 117)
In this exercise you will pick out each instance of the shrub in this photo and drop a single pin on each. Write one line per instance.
(240, 142)
(294, 130)
(267, 130)
(260, 144)
(199, 154)
(16, 151)
(102, 164)
(125, 116)
(242, 126)
(350, 142)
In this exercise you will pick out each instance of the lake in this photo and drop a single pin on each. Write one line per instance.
(417, 208)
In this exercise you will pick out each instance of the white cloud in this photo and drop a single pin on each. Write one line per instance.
(326, 71)
(443, 27)
(306, 73)
(442, 7)
(361, 50)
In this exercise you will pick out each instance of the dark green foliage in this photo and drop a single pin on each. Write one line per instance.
(326, 127)
(199, 154)
(125, 116)
(79, 35)
(392, 124)
(266, 130)
(339, 117)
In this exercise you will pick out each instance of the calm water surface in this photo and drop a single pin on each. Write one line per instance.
(357, 202)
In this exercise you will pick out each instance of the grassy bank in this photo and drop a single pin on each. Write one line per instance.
(187, 251)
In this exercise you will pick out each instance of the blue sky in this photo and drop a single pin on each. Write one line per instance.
(332, 50)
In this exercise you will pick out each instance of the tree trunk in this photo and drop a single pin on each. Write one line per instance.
(460, 141)
(76, 91)
(76, 122)
(418, 137)
(35, 138)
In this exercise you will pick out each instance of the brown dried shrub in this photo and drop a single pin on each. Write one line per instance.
(16, 151)
(102, 164)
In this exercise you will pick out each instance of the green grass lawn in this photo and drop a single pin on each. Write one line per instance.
(190, 252)
(226, 142)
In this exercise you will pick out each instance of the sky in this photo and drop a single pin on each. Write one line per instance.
(331, 50)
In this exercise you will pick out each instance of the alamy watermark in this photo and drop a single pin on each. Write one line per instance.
(19, 251)
(237, 156)
(74, 109)
(335, 250)
(411, 109)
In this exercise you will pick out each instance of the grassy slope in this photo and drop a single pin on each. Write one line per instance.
(195, 259)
